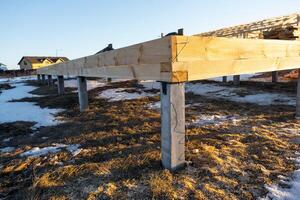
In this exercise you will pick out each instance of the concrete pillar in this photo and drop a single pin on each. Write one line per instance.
(50, 81)
(82, 93)
(224, 80)
(274, 77)
(298, 97)
(60, 84)
(172, 125)
(39, 78)
(43, 79)
(108, 80)
(236, 80)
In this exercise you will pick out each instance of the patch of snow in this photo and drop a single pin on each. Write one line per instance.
(205, 119)
(7, 149)
(154, 106)
(150, 85)
(74, 149)
(7, 139)
(91, 84)
(17, 79)
(24, 111)
(291, 193)
(231, 93)
(36, 151)
(120, 94)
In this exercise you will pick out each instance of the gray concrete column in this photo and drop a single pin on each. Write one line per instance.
(224, 79)
(236, 80)
(172, 125)
(298, 97)
(108, 80)
(39, 78)
(274, 77)
(82, 93)
(60, 84)
(50, 80)
(43, 79)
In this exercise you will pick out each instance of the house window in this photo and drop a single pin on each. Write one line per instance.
(25, 63)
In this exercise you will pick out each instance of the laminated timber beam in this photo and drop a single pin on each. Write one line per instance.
(176, 59)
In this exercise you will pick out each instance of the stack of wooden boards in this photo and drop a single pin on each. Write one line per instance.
(284, 28)
(282, 33)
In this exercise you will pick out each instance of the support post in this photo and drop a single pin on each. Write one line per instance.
(298, 97)
(43, 79)
(172, 125)
(224, 79)
(50, 81)
(236, 80)
(108, 80)
(39, 78)
(82, 93)
(60, 85)
(274, 77)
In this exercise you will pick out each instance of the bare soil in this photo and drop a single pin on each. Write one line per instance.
(121, 150)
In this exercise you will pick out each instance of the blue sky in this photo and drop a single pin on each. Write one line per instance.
(76, 28)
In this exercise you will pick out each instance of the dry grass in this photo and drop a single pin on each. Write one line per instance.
(121, 152)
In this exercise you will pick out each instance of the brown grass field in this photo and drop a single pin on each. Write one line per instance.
(120, 157)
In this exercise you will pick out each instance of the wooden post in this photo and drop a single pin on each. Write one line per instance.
(236, 80)
(50, 80)
(39, 78)
(82, 93)
(298, 97)
(60, 85)
(172, 125)
(43, 79)
(224, 80)
(274, 77)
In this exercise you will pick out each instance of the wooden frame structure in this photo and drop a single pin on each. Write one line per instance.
(258, 30)
(174, 60)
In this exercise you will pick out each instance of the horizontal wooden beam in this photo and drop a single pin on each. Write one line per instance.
(185, 58)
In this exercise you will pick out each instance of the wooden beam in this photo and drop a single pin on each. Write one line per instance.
(209, 57)
(140, 61)
(185, 58)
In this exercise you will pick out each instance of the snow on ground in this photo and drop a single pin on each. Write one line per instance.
(17, 79)
(37, 151)
(120, 94)
(232, 93)
(149, 85)
(291, 189)
(91, 84)
(7, 149)
(206, 119)
(24, 111)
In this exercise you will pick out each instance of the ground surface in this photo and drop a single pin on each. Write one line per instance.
(233, 149)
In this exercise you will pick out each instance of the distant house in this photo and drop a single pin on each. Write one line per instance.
(34, 62)
(3, 67)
